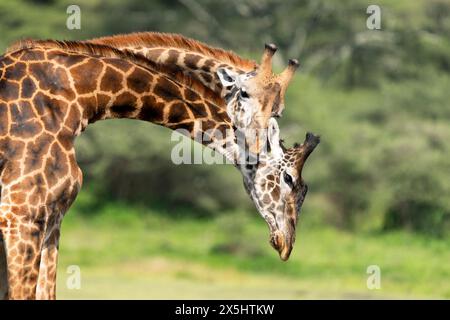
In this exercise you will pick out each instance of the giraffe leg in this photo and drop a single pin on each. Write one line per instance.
(3, 270)
(3, 266)
(46, 287)
(29, 226)
(22, 241)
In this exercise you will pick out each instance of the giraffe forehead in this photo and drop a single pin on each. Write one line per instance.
(242, 78)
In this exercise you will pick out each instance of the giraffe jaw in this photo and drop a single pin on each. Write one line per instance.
(279, 243)
(282, 234)
(286, 252)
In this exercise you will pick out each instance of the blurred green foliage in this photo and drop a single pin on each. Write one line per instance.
(380, 100)
(129, 252)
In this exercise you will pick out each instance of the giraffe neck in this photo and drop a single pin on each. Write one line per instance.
(196, 65)
(82, 88)
(194, 58)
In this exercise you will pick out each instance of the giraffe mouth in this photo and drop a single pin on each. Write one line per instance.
(281, 243)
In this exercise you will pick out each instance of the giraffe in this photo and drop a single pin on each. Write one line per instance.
(49, 93)
(276, 186)
(237, 80)
(252, 92)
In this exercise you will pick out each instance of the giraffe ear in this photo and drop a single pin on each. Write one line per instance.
(274, 138)
(227, 77)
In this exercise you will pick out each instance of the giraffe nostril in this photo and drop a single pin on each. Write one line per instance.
(276, 240)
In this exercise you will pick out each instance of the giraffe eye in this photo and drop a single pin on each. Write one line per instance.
(244, 94)
(288, 179)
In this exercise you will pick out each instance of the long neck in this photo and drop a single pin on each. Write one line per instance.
(114, 87)
(140, 93)
(197, 65)
(194, 58)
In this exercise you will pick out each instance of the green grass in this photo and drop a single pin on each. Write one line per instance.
(133, 253)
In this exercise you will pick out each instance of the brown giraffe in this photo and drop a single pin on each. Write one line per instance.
(237, 79)
(252, 92)
(48, 95)
(278, 173)
(276, 186)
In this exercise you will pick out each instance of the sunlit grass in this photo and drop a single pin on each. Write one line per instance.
(130, 253)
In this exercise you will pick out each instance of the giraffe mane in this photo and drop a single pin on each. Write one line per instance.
(109, 51)
(176, 41)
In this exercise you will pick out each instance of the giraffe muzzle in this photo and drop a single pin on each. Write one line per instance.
(282, 244)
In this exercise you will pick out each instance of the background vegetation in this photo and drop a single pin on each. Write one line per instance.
(379, 181)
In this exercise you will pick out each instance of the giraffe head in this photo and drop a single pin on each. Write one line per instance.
(253, 98)
(277, 188)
